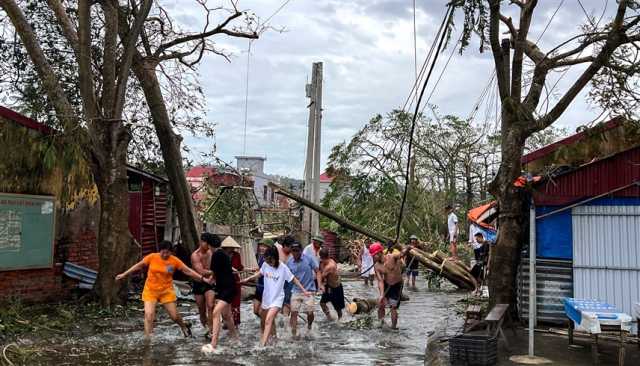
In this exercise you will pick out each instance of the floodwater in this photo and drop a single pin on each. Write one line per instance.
(329, 343)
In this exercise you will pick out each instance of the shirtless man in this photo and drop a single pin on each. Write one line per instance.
(388, 269)
(203, 291)
(330, 285)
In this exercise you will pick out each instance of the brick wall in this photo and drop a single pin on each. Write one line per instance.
(34, 285)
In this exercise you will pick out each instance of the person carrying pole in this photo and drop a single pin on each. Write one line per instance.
(333, 291)
(388, 269)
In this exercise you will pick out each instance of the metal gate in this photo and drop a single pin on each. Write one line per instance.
(606, 254)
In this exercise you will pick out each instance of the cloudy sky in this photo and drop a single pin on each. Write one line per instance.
(367, 50)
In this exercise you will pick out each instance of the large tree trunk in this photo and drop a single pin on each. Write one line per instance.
(116, 250)
(506, 253)
(170, 146)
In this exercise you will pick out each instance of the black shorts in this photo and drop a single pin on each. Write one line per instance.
(200, 288)
(288, 287)
(335, 296)
(393, 294)
(477, 271)
(226, 293)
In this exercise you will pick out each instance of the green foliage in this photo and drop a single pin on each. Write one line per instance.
(38, 163)
(228, 206)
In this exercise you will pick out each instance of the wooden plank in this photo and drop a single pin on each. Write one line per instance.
(497, 313)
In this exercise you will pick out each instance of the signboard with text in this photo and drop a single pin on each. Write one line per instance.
(26, 231)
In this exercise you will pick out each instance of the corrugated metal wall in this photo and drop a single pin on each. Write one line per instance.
(554, 282)
(606, 254)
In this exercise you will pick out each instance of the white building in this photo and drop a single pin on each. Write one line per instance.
(254, 165)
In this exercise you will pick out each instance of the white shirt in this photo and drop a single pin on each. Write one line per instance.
(473, 229)
(310, 252)
(452, 224)
(274, 279)
(367, 262)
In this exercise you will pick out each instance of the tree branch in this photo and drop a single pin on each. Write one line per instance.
(217, 30)
(64, 110)
(110, 57)
(615, 37)
(526, 14)
(65, 23)
(85, 71)
(498, 56)
(130, 42)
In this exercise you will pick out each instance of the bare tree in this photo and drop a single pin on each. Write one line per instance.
(99, 125)
(594, 47)
(162, 44)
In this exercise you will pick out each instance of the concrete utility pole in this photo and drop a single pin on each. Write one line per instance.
(310, 222)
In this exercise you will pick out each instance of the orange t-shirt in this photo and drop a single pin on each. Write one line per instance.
(160, 272)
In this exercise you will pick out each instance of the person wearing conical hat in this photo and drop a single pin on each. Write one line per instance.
(230, 246)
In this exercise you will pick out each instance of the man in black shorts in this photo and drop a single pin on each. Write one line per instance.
(330, 285)
(225, 292)
(203, 291)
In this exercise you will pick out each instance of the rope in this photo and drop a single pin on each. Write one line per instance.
(413, 122)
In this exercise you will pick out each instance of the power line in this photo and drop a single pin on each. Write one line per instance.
(413, 121)
(444, 68)
(415, 44)
(246, 102)
(275, 13)
(414, 88)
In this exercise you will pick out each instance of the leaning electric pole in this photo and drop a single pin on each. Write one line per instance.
(311, 223)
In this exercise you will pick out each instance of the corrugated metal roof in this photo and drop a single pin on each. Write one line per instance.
(546, 150)
(591, 180)
(606, 254)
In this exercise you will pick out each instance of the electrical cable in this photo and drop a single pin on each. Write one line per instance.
(413, 122)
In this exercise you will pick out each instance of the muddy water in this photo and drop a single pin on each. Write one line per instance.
(327, 344)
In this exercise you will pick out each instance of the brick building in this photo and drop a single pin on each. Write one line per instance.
(28, 175)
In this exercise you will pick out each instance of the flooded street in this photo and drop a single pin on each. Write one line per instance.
(328, 344)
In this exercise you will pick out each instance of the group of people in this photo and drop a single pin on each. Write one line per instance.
(216, 284)
(287, 280)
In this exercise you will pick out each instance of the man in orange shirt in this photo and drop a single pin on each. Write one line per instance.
(158, 288)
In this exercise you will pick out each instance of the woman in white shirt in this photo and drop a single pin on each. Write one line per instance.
(275, 275)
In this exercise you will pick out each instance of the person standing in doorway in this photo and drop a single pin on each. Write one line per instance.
(412, 263)
(333, 291)
(230, 246)
(225, 292)
(158, 287)
(452, 229)
(275, 275)
(365, 264)
(389, 275)
(203, 292)
(306, 271)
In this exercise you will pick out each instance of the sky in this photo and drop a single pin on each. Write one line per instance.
(366, 47)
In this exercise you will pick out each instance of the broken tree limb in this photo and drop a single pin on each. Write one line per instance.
(455, 273)
(362, 306)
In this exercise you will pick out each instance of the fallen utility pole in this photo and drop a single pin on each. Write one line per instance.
(455, 272)
(330, 214)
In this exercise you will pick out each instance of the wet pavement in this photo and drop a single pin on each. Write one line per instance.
(328, 343)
